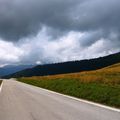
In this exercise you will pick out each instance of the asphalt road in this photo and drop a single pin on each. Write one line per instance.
(19, 101)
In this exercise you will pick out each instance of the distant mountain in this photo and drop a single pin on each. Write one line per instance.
(10, 69)
(69, 67)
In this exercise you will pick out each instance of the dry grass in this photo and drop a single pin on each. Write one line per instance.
(108, 75)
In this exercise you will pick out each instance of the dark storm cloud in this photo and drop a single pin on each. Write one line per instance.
(19, 18)
(22, 18)
(48, 31)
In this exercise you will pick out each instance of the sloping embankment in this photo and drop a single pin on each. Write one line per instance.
(0, 82)
(0, 85)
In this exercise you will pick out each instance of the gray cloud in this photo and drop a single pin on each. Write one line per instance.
(41, 49)
(21, 18)
(74, 29)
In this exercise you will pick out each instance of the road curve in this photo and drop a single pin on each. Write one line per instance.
(19, 101)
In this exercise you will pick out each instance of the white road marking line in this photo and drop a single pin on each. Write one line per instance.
(84, 101)
(77, 99)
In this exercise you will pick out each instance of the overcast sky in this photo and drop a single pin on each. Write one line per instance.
(48, 31)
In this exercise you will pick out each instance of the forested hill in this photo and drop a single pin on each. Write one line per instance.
(68, 67)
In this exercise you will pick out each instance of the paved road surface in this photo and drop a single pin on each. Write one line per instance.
(19, 101)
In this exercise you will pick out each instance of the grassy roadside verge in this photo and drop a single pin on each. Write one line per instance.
(100, 93)
(0, 82)
(101, 86)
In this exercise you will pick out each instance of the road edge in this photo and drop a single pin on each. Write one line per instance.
(1, 86)
(82, 100)
(77, 99)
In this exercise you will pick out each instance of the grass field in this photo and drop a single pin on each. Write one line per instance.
(101, 86)
(0, 82)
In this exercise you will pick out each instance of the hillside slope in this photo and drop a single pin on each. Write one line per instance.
(102, 86)
(69, 67)
(107, 75)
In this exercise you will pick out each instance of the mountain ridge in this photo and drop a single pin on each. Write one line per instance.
(69, 67)
(10, 69)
